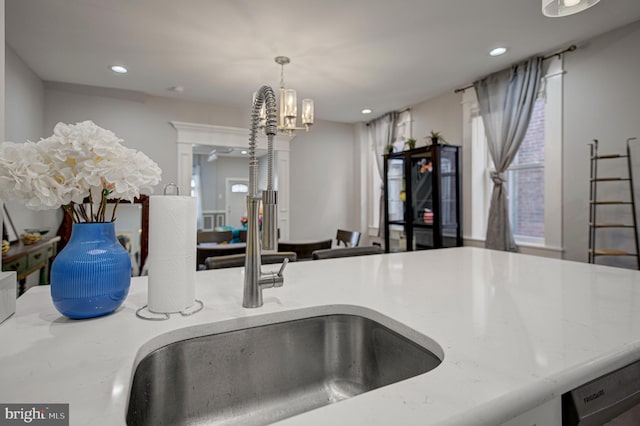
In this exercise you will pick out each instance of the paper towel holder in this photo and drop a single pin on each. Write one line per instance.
(171, 185)
(146, 314)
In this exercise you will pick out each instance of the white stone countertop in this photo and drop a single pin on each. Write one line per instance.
(516, 332)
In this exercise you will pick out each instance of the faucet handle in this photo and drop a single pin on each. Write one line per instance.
(285, 262)
(278, 279)
(273, 279)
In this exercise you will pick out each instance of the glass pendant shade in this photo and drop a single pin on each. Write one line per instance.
(290, 103)
(307, 112)
(557, 8)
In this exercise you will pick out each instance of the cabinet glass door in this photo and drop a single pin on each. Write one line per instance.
(396, 199)
(396, 187)
(422, 200)
(449, 196)
(421, 189)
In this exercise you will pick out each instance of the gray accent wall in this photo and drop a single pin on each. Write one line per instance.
(324, 186)
(213, 177)
(601, 101)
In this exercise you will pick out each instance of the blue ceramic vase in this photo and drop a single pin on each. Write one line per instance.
(90, 277)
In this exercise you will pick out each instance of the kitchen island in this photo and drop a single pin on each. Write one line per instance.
(514, 333)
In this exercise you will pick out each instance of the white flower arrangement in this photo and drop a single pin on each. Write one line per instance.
(73, 166)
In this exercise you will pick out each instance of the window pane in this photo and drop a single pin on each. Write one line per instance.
(525, 184)
(526, 201)
(532, 148)
(239, 187)
(448, 194)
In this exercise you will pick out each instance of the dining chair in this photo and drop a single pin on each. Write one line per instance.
(304, 249)
(346, 252)
(235, 260)
(348, 238)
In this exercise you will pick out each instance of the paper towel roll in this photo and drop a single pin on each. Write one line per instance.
(172, 253)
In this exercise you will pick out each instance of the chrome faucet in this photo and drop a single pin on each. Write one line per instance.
(254, 279)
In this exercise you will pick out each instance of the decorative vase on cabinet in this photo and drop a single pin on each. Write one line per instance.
(422, 198)
(90, 277)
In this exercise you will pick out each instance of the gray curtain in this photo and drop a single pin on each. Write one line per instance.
(506, 100)
(381, 131)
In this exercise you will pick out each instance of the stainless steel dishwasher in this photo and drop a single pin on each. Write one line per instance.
(612, 399)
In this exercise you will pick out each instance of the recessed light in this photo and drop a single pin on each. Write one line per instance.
(366, 111)
(498, 51)
(243, 152)
(118, 69)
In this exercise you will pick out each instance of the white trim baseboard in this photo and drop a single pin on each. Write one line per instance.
(532, 249)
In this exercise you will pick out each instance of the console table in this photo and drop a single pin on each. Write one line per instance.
(26, 259)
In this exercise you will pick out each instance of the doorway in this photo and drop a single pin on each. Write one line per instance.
(236, 199)
(206, 134)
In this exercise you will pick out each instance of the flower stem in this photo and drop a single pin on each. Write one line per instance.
(83, 211)
(74, 213)
(91, 203)
(97, 219)
(113, 214)
(68, 209)
(103, 205)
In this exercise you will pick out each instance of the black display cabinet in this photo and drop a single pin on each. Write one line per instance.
(422, 201)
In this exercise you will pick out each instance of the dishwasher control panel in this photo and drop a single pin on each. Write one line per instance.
(614, 396)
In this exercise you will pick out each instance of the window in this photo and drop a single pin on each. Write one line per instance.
(239, 187)
(525, 181)
(534, 178)
(525, 178)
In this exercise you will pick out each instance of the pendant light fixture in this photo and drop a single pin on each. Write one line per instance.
(559, 8)
(288, 108)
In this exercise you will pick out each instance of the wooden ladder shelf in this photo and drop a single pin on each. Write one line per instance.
(594, 203)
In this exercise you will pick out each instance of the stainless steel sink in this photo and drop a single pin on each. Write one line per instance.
(259, 375)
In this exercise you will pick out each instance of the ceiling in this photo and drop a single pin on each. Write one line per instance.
(345, 54)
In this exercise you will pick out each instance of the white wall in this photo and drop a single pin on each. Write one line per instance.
(214, 174)
(601, 101)
(325, 194)
(25, 96)
(24, 120)
(142, 121)
(441, 114)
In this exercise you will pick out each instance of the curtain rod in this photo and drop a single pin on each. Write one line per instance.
(558, 54)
